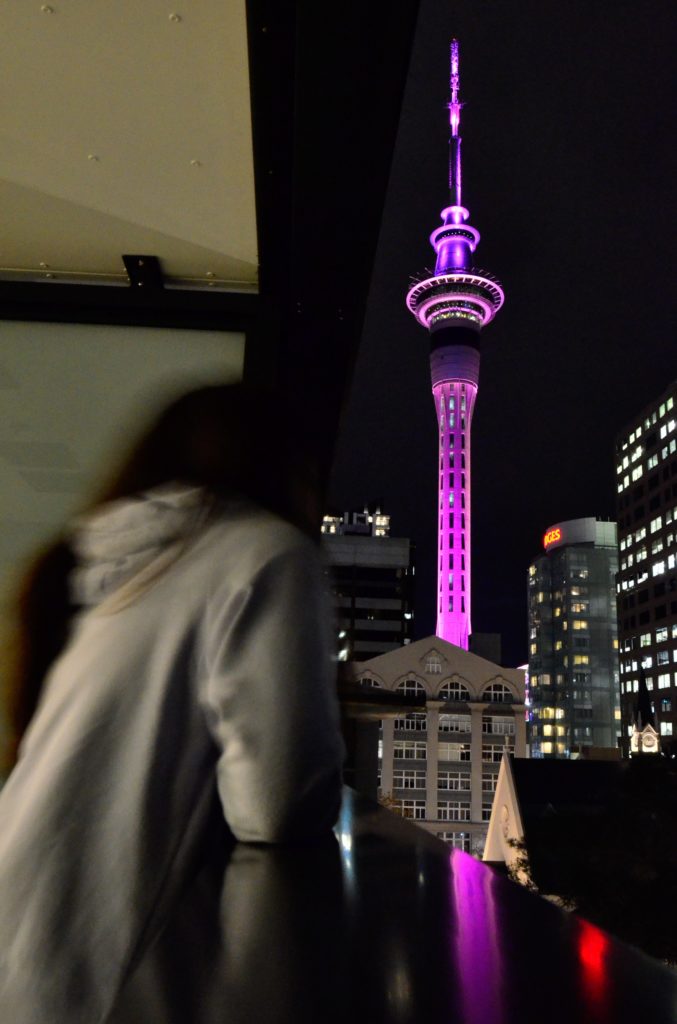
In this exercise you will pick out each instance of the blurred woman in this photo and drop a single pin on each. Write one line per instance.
(174, 650)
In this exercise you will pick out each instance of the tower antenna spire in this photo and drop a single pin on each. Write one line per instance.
(454, 123)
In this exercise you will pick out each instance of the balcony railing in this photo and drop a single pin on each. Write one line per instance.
(323, 933)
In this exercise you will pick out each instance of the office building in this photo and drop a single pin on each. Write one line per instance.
(439, 764)
(454, 304)
(372, 582)
(573, 640)
(646, 484)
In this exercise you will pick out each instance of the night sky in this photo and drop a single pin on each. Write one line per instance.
(568, 130)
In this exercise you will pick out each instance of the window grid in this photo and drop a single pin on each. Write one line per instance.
(453, 810)
(409, 779)
(414, 809)
(410, 750)
(453, 781)
(457, 840)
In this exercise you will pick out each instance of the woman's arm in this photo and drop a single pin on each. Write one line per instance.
(271, 701)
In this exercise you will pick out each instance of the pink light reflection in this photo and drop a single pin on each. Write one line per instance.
(479, 963)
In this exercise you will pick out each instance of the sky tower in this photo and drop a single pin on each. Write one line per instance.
(454, 304)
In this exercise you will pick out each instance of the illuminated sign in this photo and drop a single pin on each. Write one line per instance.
(552, 536)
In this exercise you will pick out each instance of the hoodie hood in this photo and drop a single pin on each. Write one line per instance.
(117, 540)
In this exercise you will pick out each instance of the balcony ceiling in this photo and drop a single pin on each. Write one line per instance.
(125, 128)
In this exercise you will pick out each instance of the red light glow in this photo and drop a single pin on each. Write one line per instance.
(593, 947)
(552, 536)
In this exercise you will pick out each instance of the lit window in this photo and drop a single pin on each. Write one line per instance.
(663, 680)
(581, 659)
(658, 568)
(655, 524)
(580, 624)
(666, 728)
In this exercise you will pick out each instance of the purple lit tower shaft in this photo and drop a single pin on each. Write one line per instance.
(454, 304)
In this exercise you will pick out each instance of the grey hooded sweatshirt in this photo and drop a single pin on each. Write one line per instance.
(199, 670)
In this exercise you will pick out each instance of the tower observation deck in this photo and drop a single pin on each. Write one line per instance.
(454, 304)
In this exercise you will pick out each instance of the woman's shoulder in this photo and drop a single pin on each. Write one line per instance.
(250, 537)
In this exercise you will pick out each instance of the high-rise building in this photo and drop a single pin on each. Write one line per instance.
(573, 640)
(439, 764)
(372, 582)
(646, 484)
(454, 304)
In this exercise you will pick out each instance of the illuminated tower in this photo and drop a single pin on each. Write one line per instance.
(454, 304)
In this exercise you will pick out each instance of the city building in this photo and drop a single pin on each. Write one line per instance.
(646, 484)
(574, 698)
(372, 581)
(454, 304)
(439, 764)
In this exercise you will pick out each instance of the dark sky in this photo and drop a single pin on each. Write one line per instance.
(568, 127)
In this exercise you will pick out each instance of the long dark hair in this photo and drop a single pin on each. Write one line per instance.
(228, 439)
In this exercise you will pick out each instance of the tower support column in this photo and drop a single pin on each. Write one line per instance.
(455, 374)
